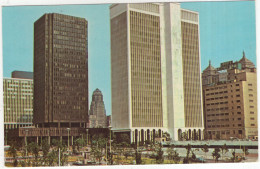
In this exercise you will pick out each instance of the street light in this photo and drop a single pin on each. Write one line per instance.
(87, 137)
(110, 127)
(68, 138)
(26, 142)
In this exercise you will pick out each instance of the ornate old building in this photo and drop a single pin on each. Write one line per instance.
(97, 112)
(230, 100)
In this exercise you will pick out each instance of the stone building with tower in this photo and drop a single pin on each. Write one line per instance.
(97, 113)
(230, 100)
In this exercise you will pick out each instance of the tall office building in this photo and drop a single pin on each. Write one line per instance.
(60, 71)
(18, 102)
(97, 112)
(152, 73)
(230, 100)
(191, 69)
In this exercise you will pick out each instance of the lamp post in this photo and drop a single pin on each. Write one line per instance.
(110, 127)
(26, 131)
(68, 138)
(110, 150)
(87, 137)
(82, 140)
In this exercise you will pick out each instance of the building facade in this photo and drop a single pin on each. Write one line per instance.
(150, 88)
(22, 74)
(97, 112)
(60, 71)
(18, 102)
(230, 100)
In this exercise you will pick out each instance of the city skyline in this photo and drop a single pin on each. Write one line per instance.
(229, 46)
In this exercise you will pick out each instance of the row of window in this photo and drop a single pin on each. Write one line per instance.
(214, 93)
(220, 114)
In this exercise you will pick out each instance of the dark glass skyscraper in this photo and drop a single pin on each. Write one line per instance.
(60, 71)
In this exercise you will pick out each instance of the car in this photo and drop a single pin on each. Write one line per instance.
(199, 160)
(78, 163)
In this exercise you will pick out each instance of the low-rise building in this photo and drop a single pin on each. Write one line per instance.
(18, 102)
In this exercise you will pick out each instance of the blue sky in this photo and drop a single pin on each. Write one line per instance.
(226, 29)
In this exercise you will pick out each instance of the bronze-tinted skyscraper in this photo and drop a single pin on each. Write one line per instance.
(60, 71)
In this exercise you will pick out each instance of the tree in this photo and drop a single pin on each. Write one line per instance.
(34, 149)
(172, 154)
(97, 152)
(98, 144)
(45, 149)
(13, 152)
(51, 158)
(188, 148)
(127, 154)
(205, 149)
(233, 158)
(22, 163)
(58, 147)
(224, 150)
(193, 156)
(159, 156)
(138, 157)
(79, 142)
(123, 138)
(216, 154)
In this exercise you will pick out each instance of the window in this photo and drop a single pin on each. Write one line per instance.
(252, 112)
(238, 101)
(238, 107)
(252, 124)
(251, 101)
(237, 90)
(251, 95)
(249, 84)
(238, 118)
(252, 118)
(251, 106)
(238, 112)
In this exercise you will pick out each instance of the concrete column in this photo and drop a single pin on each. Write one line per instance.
(60, 138)
(139, 136)
(72, 140)
(145, 136)
(151, 136)
(37, 140)
(133, 135)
